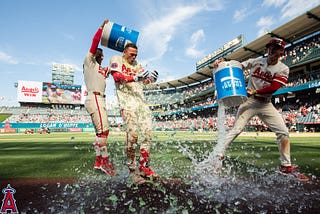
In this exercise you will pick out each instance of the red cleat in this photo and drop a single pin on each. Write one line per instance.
(144, 168)
(293, 170)
(147, 172)
(107, 167)
(97, 163)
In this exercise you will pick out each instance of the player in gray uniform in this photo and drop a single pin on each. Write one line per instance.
(95, 79)
(130, 78)
(267, 75)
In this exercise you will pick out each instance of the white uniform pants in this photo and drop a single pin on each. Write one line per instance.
(269, 115)
(137, 122)
(96, 107)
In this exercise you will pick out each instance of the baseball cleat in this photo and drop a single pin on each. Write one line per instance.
(147, 172)
(107, 167)
(144, 168)
(135, 178)
(288, 169)
(293, 170)
(97, 163)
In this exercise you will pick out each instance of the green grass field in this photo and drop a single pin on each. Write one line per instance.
(3, 117)
(70, 155)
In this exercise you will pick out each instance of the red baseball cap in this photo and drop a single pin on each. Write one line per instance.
(276, 41)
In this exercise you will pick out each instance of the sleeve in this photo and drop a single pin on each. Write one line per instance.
(119, 77)
(282, 75)
(115, 64)
(270, 89)
(88, 60)
(115, 69)
(95, 41)
(248, 64)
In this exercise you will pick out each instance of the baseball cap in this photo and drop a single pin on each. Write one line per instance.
(276, 41)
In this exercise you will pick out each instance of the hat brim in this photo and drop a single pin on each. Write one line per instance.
(268, 45)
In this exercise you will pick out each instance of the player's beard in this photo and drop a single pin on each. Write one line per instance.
(273, 59)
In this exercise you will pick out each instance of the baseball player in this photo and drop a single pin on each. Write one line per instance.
(266, 76)
(95, 79)
(130, 78)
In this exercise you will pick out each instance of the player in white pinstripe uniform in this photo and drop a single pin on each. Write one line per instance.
(95, 79)
(267, 75)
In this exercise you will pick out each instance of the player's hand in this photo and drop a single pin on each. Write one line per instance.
(141, 76)
(106, 71)
(154, 75)
(251, 91)
(217, 62)
(104, 23)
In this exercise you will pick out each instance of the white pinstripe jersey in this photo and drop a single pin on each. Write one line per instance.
(262, 74)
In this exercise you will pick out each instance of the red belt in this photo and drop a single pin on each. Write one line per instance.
(99, 94)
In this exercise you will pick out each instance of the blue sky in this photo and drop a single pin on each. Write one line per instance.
(174, 35)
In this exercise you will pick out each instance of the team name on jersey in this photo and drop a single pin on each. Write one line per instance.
(264, 75)
(128, 71)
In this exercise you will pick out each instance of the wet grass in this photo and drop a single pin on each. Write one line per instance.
(70, 155)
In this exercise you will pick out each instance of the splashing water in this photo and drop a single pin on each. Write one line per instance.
(253, 191)
(208, 190)
(212, 164)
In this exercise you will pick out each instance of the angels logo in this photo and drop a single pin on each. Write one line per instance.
(266, 76)
(30, 90)
(128, 70)
(8, 202)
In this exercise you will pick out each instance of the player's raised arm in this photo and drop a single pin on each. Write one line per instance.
(97, 37)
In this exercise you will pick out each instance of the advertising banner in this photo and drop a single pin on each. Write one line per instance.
(29, 91)
(50, 93)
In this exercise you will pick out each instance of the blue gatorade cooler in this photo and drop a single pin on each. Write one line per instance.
(116, 36)
(230, 84)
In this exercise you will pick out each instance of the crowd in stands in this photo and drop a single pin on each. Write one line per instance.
(47, 115)
(173, 108)
(300, 51)
(53, 115)
(303, 116)
(294, 54)
(211, 99)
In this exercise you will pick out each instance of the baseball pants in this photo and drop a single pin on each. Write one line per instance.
(137, 123)
(269, 115)
(96, 107)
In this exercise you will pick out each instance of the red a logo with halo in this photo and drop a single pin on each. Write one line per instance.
(8, 202)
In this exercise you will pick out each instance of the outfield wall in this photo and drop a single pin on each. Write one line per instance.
(54, 127)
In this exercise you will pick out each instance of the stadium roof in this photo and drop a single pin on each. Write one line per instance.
(300, 27)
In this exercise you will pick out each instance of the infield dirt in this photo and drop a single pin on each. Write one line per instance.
(99, 194)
